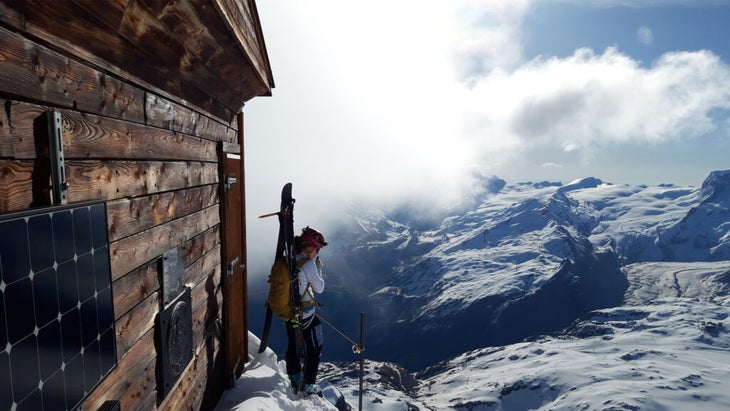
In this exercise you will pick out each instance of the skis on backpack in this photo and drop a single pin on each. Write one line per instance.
(285, 250)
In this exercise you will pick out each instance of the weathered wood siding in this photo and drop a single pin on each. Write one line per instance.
(133, 138)
(208, 52)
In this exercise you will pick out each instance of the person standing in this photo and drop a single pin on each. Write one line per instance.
(311, 281)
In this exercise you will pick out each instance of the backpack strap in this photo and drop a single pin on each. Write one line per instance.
(299, 303)
(308, 288)
(309, 292)
(301, 262)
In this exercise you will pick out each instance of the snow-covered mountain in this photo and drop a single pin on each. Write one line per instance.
(588, 295)
(665, 350)
(525, 260)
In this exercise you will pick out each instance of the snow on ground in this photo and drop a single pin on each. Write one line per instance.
(666, 349)
(264, 386)
(702, 280)
(670, 355)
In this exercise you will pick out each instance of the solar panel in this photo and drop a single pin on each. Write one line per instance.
(57, 338)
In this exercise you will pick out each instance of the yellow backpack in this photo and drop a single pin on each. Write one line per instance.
(280, 298)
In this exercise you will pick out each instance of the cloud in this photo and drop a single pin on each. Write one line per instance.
(599, 98)
(417, 100)
(486, 35)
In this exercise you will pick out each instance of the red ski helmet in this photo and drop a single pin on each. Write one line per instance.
(312, 237)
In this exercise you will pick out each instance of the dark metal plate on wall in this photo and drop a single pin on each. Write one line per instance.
(174, 341)
(173, 276)
(57, 339)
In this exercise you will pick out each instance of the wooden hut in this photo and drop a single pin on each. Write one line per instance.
(122, 230)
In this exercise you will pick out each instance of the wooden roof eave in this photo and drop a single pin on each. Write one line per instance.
(250, 38)
(213, 58)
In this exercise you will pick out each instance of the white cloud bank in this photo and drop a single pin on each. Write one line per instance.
(590, 99)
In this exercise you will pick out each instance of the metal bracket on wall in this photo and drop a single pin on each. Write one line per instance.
(232, 266)
(229, 181)
(234, 373)
(58, 168)
(173, 276)
(110, 405)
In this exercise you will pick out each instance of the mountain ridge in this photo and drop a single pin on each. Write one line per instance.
(485, 270)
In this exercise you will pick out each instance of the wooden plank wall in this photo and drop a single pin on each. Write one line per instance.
(154, 161)
(190, 49)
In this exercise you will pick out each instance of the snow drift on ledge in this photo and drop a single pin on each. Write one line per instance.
(264, 386)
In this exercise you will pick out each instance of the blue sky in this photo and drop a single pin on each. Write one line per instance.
(419, 100)
(559, 28)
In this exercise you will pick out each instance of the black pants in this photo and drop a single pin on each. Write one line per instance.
(312, 335)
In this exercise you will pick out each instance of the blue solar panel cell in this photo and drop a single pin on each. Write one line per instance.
(40, 240)
(85, 270)
(89, 324)
(6, 396)
(20, 317)
(63, 242)
(3, 326)
(14, 250)
(24, 372)
(82, 230)
(54, 390)
(50, 353)
(68, 286)
(101, 269)
(46, 290)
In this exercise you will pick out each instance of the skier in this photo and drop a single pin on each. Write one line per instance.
(310, 278)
